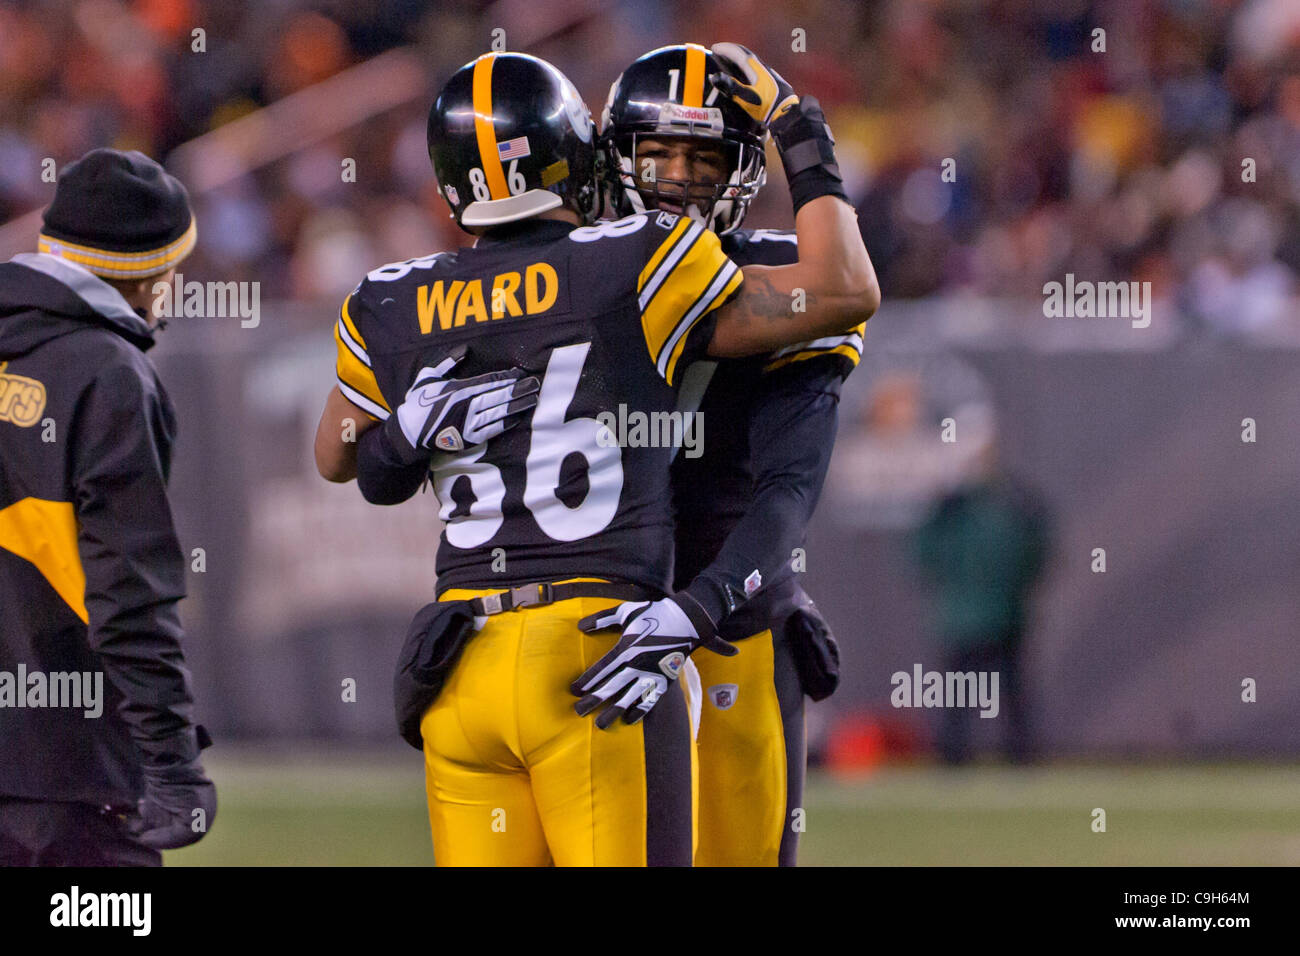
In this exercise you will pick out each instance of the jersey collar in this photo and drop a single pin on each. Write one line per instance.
(527, 230)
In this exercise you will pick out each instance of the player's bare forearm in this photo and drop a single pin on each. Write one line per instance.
(839, 267)
(831, 289)
(341, 424)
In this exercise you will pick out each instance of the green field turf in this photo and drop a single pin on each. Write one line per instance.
(332, 808)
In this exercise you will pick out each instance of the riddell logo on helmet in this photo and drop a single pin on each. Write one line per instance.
(709, 116)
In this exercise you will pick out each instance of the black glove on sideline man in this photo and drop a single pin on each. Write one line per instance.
(179, 802)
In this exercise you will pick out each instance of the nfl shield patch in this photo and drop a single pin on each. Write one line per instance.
(723, 695)
(449, 439)
(672, 664)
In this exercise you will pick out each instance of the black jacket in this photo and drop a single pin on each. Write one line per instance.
(90, 568)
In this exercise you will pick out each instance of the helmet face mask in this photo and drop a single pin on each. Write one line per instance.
(511, 139)
(717, 202)
(665, 96)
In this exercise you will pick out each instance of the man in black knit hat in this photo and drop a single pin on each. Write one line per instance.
(93, 772)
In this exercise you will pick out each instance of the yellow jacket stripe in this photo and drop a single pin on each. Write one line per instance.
(484, 130)
(693, 81)
(45, 533)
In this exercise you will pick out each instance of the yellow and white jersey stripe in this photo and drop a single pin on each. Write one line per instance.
(849, 345)
(355, 376)
(687, 277)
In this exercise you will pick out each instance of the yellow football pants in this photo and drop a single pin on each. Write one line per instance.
(515, 778)
(751, 755)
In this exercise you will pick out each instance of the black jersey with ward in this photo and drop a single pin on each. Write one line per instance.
(605, 316)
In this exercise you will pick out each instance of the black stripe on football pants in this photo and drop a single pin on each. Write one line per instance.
(789, 696)
(667, 735)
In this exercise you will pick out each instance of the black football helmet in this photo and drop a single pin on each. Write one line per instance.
(510, 138)
(664, 93)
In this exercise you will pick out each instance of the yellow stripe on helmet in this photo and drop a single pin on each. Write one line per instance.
(483, 128)
(693, 82)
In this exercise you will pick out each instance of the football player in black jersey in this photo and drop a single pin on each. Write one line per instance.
(554, 523)
(742, 506)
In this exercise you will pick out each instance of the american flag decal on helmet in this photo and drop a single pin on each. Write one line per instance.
(516, 148)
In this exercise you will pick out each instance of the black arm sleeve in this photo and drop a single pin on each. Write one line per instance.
(135, 571)
(792, 427)
(381, 475)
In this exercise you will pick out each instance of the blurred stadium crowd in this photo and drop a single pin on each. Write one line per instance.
(1125, 164)
(1122, 164)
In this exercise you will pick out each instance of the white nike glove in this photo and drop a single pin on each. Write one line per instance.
(450, 415)
(657, 638)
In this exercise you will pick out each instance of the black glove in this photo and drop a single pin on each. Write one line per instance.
(179, 802)
(657, 638)
(814, 649)
(450, 414)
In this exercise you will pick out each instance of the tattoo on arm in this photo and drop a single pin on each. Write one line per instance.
(758, 301)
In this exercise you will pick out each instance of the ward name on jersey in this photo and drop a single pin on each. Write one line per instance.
(603, 315)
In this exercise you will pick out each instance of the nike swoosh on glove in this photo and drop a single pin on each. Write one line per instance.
(657, 638)
(756, 88)
(450, 415)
